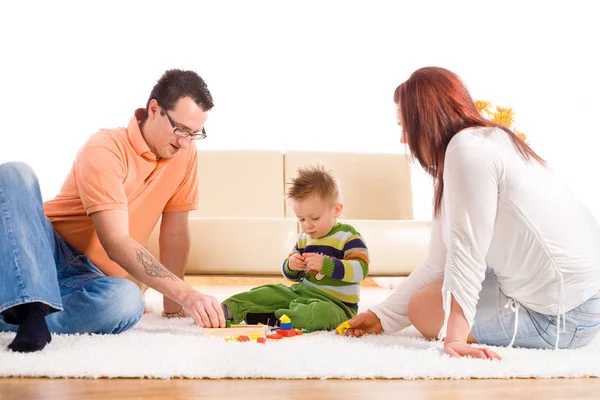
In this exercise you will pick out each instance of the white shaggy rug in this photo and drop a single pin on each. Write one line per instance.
(159, 348)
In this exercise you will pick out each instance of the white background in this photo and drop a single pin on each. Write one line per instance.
(297, 75)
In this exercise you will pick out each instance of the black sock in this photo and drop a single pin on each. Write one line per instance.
(262, 318)
(33, 334)
(16, 314)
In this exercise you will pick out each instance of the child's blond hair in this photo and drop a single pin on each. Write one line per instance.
(314, 181)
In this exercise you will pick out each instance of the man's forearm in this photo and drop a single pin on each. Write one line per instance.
(174, 252)
(138, 262)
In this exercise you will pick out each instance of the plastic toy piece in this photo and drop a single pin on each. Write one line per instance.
(284, 319)
(343, 327)
(258, 333)
(275, 336)
(285, 322)
(289, 332)
(228, 323)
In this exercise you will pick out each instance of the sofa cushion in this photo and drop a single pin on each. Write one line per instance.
(240, 183)
(374, 186)
(236, 246)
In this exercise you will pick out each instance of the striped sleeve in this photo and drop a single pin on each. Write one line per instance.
(355, 265)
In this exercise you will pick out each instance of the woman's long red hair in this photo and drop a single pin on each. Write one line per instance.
(434, 106)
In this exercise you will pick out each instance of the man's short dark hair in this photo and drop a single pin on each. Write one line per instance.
(175, 84)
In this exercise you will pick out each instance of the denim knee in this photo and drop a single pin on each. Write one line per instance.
(16, 174)
(123, 305)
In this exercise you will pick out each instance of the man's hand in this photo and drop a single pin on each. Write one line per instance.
(313, 261)
(204, 309)
(462, 349)
(365, 323)
(297, 262)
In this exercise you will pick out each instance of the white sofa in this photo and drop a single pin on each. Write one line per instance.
(243, 225)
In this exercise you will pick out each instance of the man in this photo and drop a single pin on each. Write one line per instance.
(63, 264)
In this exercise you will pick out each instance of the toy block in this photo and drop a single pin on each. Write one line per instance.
(255, 336)
(284, 319)
(274, 336)
(243, 338)
(286, 332)
(341, 328)
(286, 326)
(261, 330)
(228, 323)
(261, 340)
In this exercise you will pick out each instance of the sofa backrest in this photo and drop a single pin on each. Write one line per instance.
(240, 183)
(244, 226)
(374, 186)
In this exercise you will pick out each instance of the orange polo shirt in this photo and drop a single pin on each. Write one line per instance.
(115, 170)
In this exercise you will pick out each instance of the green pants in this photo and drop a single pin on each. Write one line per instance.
(308, 308)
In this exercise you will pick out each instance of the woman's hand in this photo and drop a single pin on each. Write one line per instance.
(365, 323)
(462, 349)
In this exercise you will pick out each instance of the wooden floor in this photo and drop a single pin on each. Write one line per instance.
(263, 389)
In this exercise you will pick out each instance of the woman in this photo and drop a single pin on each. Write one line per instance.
(514, 257)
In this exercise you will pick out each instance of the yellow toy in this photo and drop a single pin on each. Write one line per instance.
(343, 327)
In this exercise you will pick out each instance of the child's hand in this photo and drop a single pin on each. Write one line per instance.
(297, 262)
(313, 261)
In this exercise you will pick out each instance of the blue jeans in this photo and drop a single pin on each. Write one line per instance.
(37, 265)
(495, 323)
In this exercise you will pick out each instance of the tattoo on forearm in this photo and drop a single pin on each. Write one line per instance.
(151, 265)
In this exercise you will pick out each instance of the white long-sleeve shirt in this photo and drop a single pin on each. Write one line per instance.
(515, 216)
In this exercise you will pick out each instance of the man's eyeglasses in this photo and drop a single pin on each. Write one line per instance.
(182, 133)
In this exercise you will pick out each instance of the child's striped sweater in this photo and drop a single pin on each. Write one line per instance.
(345, 265)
